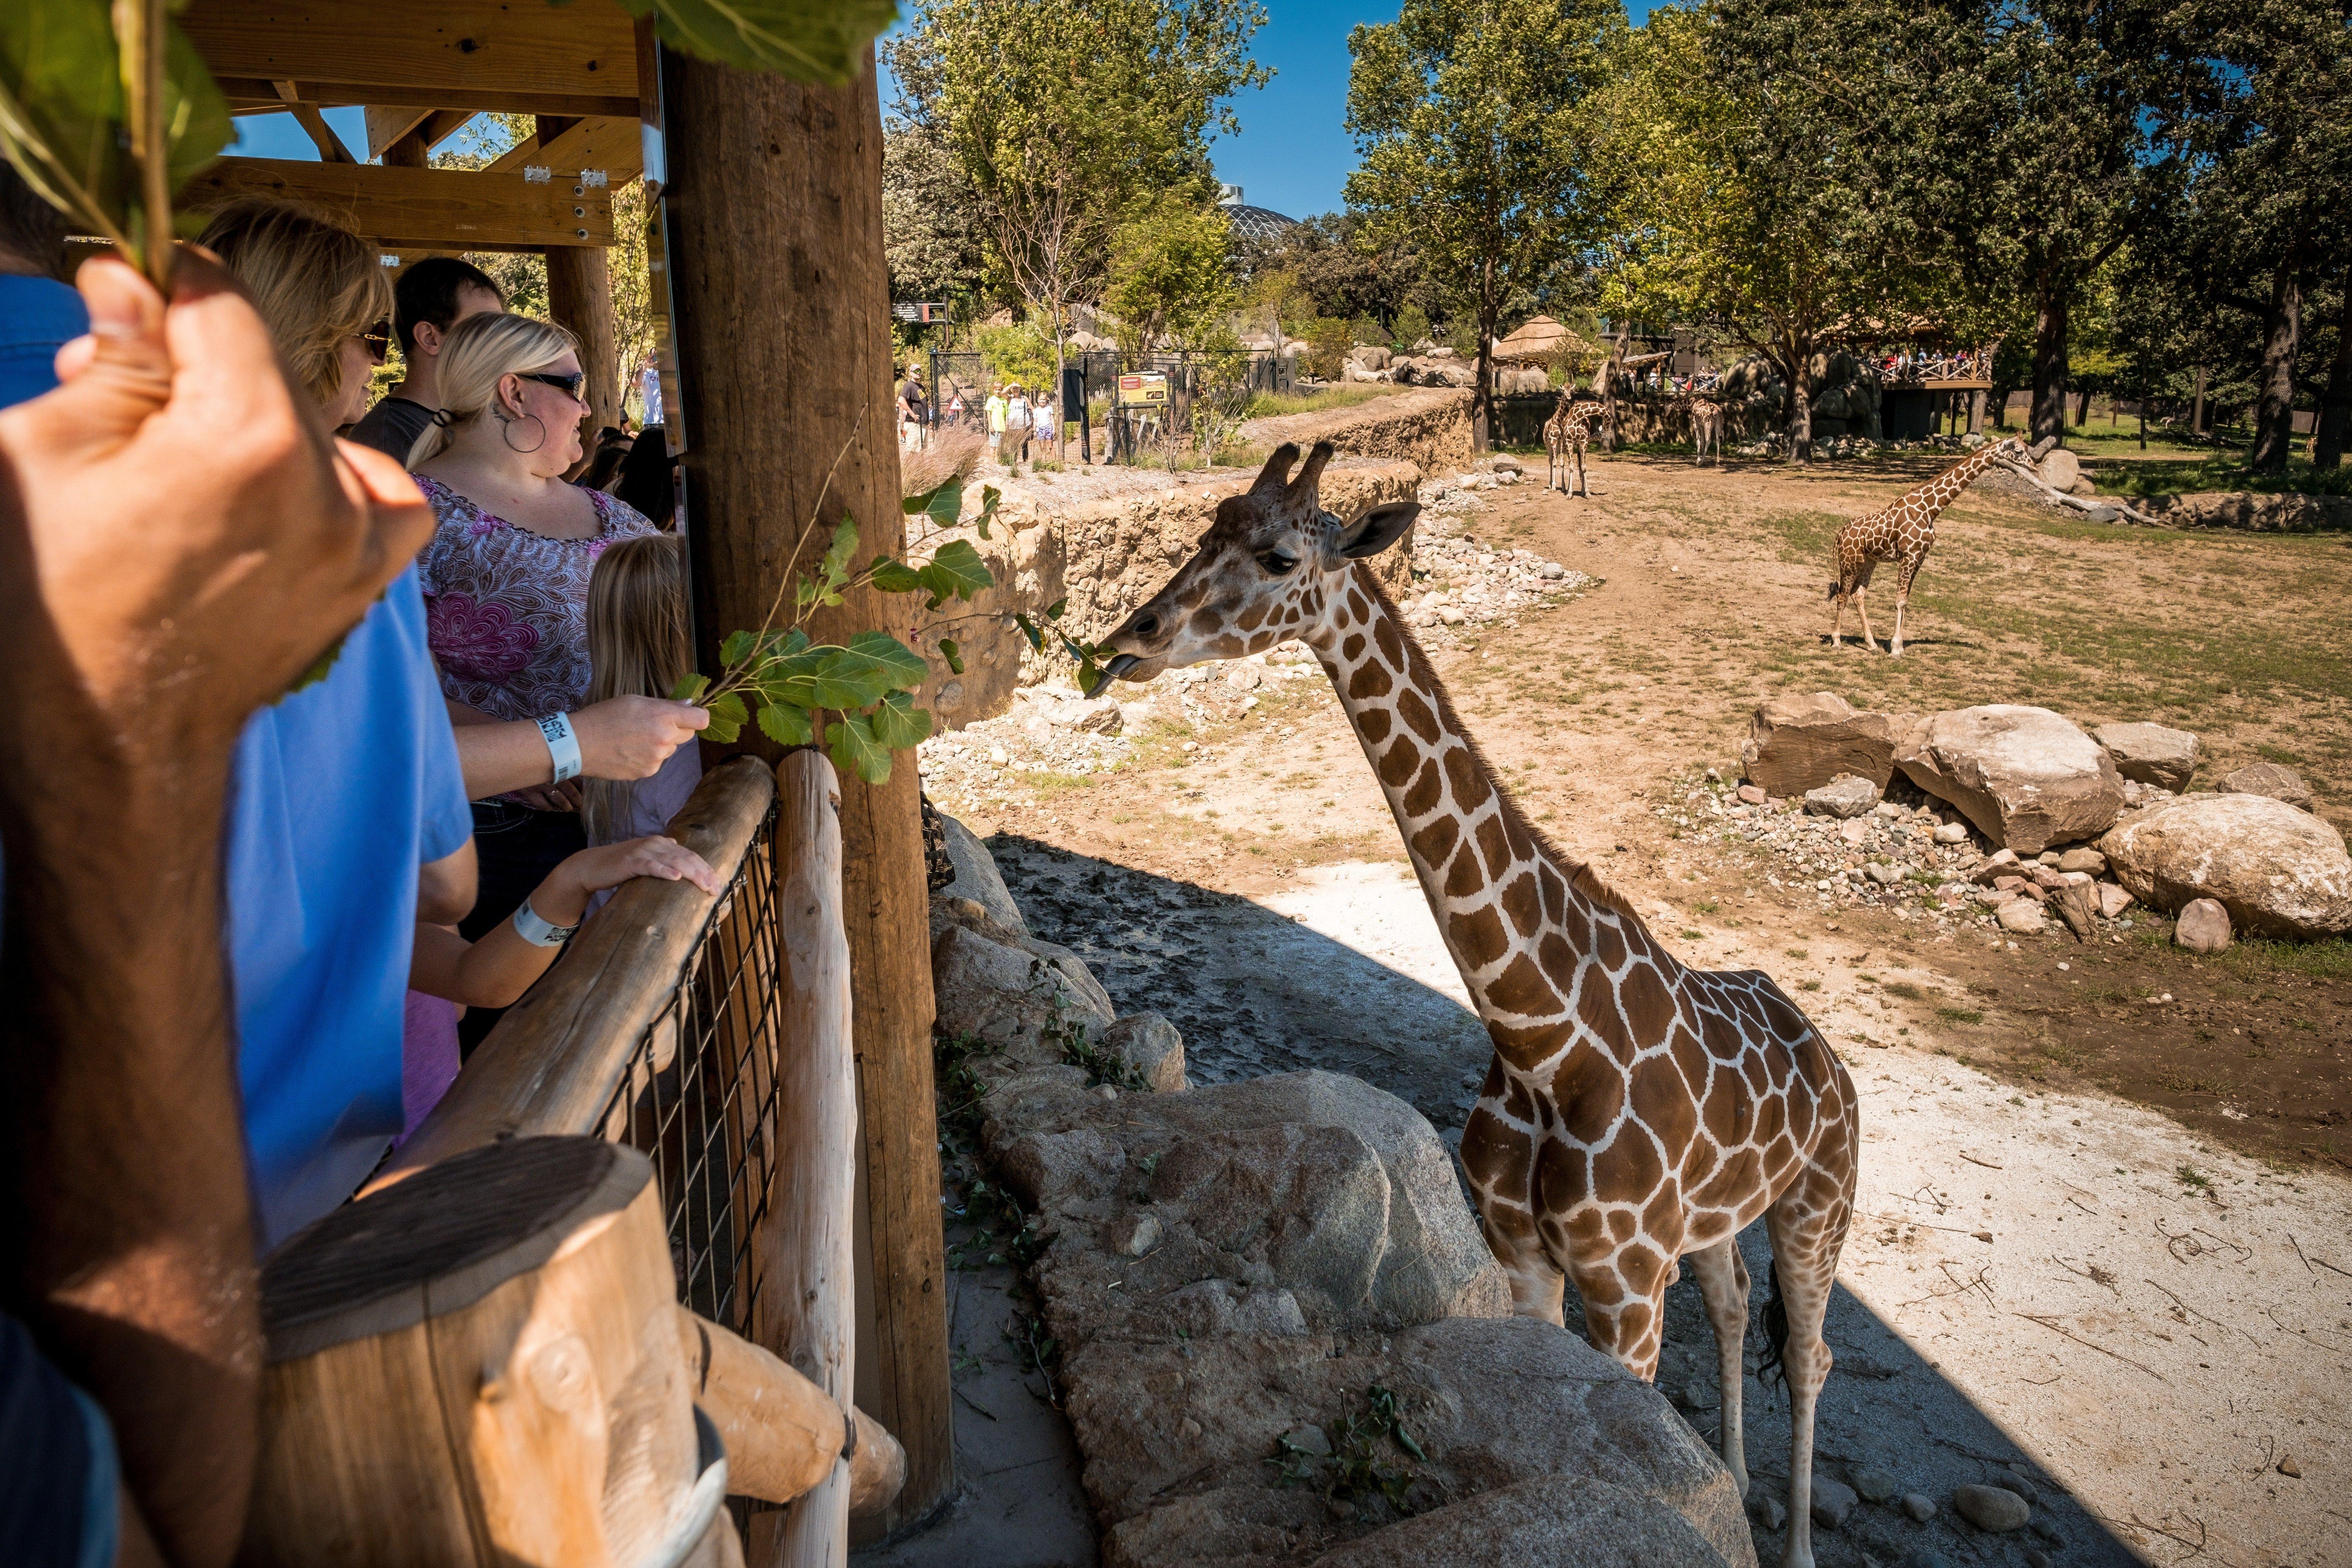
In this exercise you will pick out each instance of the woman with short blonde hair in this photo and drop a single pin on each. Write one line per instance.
(322, 288)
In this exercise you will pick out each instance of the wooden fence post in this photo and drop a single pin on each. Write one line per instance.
(773, 223)
(807, 1248)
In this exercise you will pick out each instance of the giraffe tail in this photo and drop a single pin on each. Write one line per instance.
(1771, 1363)
(1833, 587)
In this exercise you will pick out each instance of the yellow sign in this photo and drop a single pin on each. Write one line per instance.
(1147, 390)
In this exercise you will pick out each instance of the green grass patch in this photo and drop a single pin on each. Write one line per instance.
(2253, 955)
(1269, 404)
(1959, 1015)
(2188, 474)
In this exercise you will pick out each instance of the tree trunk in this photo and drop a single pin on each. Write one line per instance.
(773, 219)
(2082, 408)
(2274, 404)
(2050, 323)
(1482, 393)
(2336, 404)
(2197, 404)
(580, 296)
(1800, 402)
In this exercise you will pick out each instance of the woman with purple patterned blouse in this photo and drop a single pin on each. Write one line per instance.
(506, 579)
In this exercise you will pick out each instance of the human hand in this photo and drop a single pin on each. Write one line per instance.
(565, 796)
(188, 538)
(563, 897)
(631, 737)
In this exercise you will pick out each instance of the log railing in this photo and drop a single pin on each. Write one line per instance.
(668, 1025)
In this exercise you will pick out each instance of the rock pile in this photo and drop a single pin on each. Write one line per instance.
(1283, 1341)
(1957, 811)
(1461, 583)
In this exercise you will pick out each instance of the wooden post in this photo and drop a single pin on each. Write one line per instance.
(772, 219)
(479, 1366)
(807, 1249)
(580, 296)
(1976, 411)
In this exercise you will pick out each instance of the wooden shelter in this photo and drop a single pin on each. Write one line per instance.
(772, 327)
(1538, 339)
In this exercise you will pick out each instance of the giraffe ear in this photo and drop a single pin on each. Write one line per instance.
(1374, 530)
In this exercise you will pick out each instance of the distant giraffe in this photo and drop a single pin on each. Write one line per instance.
(1706, 429)
(1636, 1112)
(1567, 433)
(1905, 532)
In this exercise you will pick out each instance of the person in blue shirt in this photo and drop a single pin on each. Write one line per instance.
(350, 801)
(38, 315)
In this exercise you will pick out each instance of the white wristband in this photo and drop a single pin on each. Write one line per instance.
(536, 931)
(561, 745)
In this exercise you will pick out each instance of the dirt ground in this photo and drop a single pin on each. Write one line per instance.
(2157, 1327)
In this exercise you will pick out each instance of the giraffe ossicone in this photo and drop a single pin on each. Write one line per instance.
(1635, 1111)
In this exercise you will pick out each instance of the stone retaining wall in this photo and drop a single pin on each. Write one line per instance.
(2253, 510)
(1430, 427)
(1106, 558)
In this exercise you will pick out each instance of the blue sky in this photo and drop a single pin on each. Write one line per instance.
(1293, 154)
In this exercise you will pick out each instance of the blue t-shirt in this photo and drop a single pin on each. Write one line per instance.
(343, 789)
(37, 317)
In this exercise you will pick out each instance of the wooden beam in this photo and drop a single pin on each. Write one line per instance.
(386, 126)
(782, 322)
(580, 296)
(314, 124)
(422, 209)
(526, 58)
(613, 146)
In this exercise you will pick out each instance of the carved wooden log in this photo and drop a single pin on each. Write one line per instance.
(784, 1434)
(479, 1366)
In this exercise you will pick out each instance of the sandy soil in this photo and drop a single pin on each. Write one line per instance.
(2157, 1329)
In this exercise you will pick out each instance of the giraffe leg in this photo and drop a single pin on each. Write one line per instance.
(1807, 1229)
(1837, 619)
(1495, 1144)
(1722, 1276)
(1894, 647)
(1626, 1306)
(1861, 607)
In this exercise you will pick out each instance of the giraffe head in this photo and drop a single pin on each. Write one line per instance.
(1268, 570)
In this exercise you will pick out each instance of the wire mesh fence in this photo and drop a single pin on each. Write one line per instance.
(698, 1095)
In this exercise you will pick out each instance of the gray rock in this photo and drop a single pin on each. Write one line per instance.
(2275, 780)
(1999, 863)
(1494, 1403)
(2279, 871)
(2036, 1557)
(2083, 859)
(1995, 1509)
(1885, 876)
(1767, 1511)
(1832, 1502)
(2024, 776)
(2113, 900)
(1919, 1506)
(1874, 1485)
(2203, 926)
(1152, 1047)
(1007, 995)
(1843, 796)
(977, 879)
(1800, 744)
(1309, 1440)
(2060, 469)
(2150, 754)
(1558, 1521)
(1133, 1234)
(1951, 832)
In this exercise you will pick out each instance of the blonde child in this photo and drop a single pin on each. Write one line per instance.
(638, 647)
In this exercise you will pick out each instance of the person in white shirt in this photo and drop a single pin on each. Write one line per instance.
(1019, 421)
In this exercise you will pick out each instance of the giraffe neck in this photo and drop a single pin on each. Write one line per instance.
(1511, 907)
(1945, 488)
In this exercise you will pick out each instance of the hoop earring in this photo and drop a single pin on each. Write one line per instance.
(507, 432)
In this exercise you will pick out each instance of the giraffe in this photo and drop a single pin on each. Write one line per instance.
(1905, 532)
(1707, 430)
(1635, 1111)
(1567, 433)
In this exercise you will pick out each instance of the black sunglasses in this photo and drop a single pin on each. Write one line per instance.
(569, 384)
(377, 340)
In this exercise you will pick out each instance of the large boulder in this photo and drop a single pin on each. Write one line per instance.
(2027, 778)
(1013, 996)
(1314, 1183)
(1150, 1047)
(1185, 1458)
(1558, 1521)
(2275, 780)
(1796, 744)
(2060, 469)
(977, 879)
(2150, 754)
(2278, 872)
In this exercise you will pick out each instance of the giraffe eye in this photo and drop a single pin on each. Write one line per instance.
(1277, 560)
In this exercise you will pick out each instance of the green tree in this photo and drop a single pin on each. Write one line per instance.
(1769, 169)
(930, 231)
(1471, 119)
(1068, 115)
(1169, 275)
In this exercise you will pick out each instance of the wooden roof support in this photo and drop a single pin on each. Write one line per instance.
(322, 135)
(531, 58)
(421, 209)
(386, 126)
(613, 146)
(782, 322)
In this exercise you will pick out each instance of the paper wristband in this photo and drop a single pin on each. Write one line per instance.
(562, 744)
(536, 931)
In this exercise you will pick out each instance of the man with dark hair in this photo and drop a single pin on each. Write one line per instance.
(428, 297)
(37, 313)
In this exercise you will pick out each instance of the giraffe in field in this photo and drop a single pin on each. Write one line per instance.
(1904, 534)
(1567, 433)
(1635, 1112)
(1706, 429)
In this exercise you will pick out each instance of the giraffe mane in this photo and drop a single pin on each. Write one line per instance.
(1418, 667)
